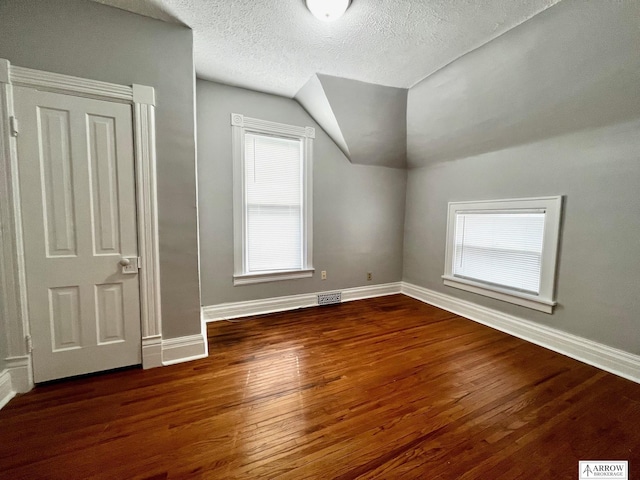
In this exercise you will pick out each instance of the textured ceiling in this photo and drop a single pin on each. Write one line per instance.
(276, 46)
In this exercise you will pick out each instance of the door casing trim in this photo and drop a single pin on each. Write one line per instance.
(13, 291)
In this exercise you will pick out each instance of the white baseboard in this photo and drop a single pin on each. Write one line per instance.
(16, 377)
(20, 370)
(606, 358)
(152, 352)
(225, 311)
(184, 349)
(360, 293)
(6, 389)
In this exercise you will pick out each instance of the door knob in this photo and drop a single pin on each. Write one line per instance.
(125, 262)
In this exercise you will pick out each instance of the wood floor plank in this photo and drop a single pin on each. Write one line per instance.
(379, 388)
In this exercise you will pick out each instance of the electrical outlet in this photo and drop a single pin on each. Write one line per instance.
(323, 275)
(369, 276)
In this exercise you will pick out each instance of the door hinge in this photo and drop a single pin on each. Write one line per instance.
(139, 263)
(13, 125)
(29, 343)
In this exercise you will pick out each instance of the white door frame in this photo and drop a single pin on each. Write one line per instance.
(14, 314)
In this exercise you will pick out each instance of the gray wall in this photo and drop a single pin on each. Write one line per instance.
(358, 211)
(367, 121)
(313, 99)
(574, 66)
(86, 39)
(552, 107)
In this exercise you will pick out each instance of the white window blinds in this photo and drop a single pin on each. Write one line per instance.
(500, 248)
(274, 203)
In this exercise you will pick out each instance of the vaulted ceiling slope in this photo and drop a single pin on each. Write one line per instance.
(276, 46)
(574, 67)
(367, 121)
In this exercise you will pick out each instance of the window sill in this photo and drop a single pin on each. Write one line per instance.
(517, 298)
(251, 278)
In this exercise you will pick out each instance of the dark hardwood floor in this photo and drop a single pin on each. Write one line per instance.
(381, 388)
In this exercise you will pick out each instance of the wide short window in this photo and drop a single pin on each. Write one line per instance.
(505, 249)
(272, 200)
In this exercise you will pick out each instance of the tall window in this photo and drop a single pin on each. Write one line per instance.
(272, 200)
(505, 249)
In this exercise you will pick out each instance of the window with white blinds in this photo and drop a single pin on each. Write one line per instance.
(500, 248)
(272, 200)
(505, 249)
(273, 182)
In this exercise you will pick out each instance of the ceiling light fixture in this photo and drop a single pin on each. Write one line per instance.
(328, 10)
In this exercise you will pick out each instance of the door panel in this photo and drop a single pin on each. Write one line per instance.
(64, 317)
(77, 184)
(104, 176)
(110, 313)
(56, 171)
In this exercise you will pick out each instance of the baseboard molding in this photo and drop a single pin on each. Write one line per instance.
(606, 358)
(6, 389)
(20, 371)
(225, 311)
(152, 352)
(184, 349)
(16, 378)
(360, 293)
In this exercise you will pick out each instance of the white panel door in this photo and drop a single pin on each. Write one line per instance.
(77, 184)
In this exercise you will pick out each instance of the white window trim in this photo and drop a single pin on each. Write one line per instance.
(240, 126)
(544, 301)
